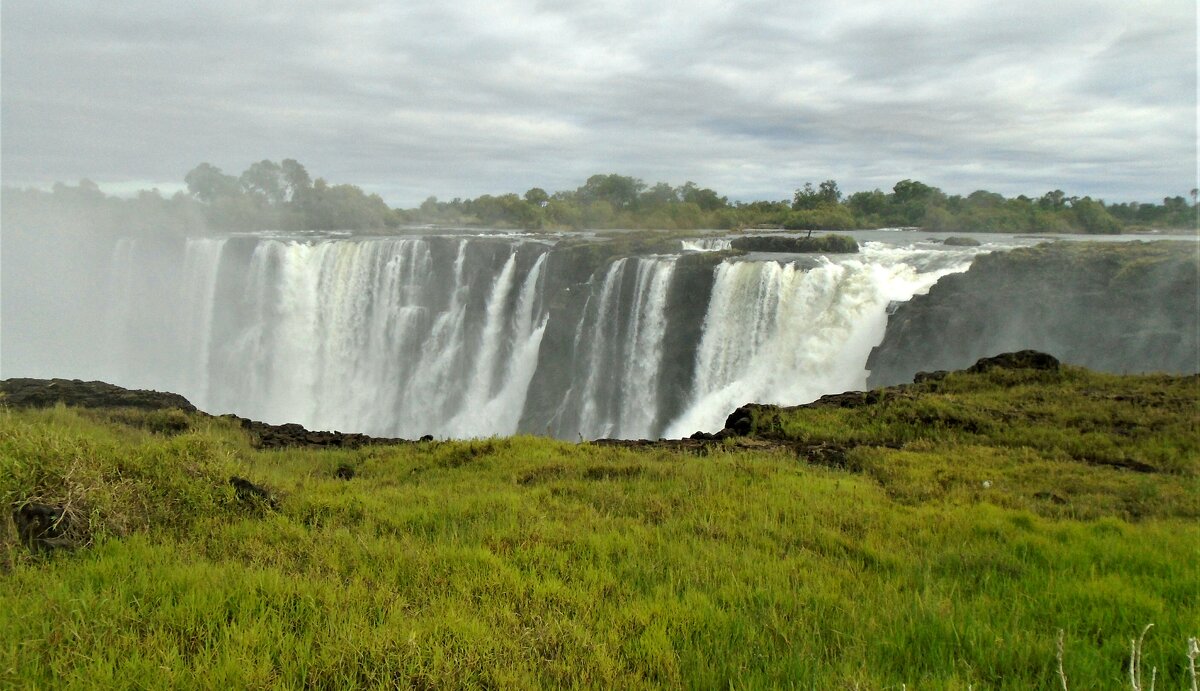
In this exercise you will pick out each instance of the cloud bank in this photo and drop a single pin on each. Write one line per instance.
(751, 98)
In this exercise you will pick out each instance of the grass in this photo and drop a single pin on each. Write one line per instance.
(1148, 423)
(527, 562)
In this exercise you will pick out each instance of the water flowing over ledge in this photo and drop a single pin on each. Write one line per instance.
(469, 335)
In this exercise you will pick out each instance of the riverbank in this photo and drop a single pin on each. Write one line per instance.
(944, 540)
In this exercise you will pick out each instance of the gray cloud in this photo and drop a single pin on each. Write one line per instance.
(753, 98)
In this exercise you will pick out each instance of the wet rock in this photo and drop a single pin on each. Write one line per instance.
(251, 494)
(960, 241)
(825, 454)
(847, 399)
(46, 393)
(1119, 307)
(42, 527)
(43, 393)
(268, 436)
(925, 377)
(740, 421)
(796, 245)
(1022, 359)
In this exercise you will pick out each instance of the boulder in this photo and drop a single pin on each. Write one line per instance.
(251, 494)
(46, 393)
(795, 245)
(924, 377)
(1022, 359)
(740, 421)
(43, 527)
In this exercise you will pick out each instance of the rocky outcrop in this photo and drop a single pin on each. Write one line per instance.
(253, 496)
(43, 528)
(1119, 307)
(265, 436)
(1022, 359)
(46, 393)
(796, 245)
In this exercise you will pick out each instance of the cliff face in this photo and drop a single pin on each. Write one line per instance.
(1114, 307)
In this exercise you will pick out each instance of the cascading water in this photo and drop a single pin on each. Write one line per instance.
(644, 354)
(776, 333)
(403, 337)
(201, 261)
(618, 346)
(467, 336)
(502, 404)
(706, 244)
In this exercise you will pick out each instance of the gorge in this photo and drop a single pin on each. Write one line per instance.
(468, 334)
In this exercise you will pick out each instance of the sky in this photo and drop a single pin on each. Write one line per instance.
(455, 99)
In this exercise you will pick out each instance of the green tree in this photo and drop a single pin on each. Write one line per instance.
(618, 190)
(909, 191)
(599, 214)
(865, 204)
(265, 178)
(911, 200)
(658, 196)
(208, 183)
(829, 192)
(295, 177)
(806, 197)
(809, 197)
(985, 199)
(344, 207)
(703, 197)
(1053, 200)
(536, 195)
(1093, 218)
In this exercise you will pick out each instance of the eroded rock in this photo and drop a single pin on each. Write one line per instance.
(46, 393)
(252, 495)
(43, 527)
(1022, 359)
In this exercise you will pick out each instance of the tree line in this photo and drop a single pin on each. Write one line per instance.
(283, 196)
(616, 201)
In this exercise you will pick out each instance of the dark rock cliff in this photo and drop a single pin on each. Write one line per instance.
(47, 393)
(1115, 307)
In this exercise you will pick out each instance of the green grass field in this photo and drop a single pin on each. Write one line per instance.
(974, 518)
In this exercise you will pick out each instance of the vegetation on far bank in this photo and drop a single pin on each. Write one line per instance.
(962, 523)
(283, 196)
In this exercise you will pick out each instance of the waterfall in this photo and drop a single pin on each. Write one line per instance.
(706, 244)
(643, 360)
(401, 337)
(471, 336)
(202, 261)
(618, 345)
(599, 327)
(499, 408)
(776, 333)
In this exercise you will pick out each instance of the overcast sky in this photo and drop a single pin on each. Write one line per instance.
(753, 98)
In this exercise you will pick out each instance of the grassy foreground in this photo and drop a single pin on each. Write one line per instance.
(975, 517)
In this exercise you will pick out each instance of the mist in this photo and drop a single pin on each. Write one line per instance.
(1124, 307)
(450, 333)
(56, 273)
